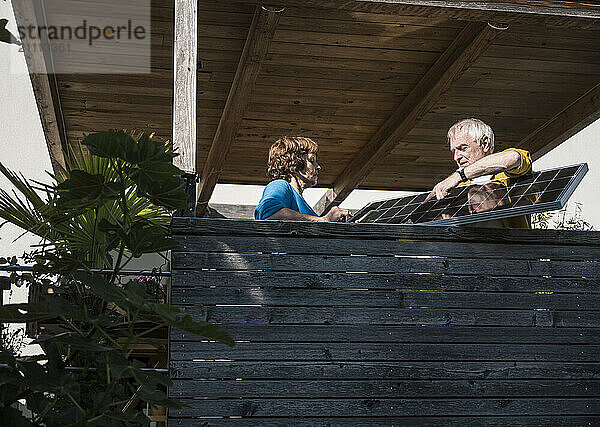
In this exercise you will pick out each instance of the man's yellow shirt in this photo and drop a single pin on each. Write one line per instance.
(524, 168)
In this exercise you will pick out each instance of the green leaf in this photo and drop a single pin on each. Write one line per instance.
(119, 144)
(111, 144)
(158, 170)
(144, 237)
(83, 189)
(74, 341)
(104, 289)
(150, 150)
(169, 194)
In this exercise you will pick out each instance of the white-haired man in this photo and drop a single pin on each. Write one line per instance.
(471, 143)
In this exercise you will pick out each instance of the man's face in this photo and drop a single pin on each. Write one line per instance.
(465, 150)
(310, 174)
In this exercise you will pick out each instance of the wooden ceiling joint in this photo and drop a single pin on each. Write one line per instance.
(572, 119)
(257, 43)
(574, 14)
(470, 43)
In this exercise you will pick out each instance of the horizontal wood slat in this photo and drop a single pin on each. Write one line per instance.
(394, 316)
(388, 264)
(227, 227)
(501, 421)
(384, 352)
(414, 370)
(303, 297)
(381, 388)
(383, 333)
(378, 247)
(478, 283)
(388, 407)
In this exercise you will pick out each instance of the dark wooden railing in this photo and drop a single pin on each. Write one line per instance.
(363, 324)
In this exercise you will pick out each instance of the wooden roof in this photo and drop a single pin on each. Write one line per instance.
(376, 84)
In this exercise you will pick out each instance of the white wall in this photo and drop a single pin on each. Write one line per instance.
(583, 147)
(22, 144)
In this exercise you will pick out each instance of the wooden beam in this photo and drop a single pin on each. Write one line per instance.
(565, 124)
(185, 51)
(257, 43)
(471, 42)
(43, 83)
(579, 14)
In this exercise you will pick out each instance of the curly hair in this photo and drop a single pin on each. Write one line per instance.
(286, 156)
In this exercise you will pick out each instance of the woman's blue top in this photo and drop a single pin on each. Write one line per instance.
(280, 194)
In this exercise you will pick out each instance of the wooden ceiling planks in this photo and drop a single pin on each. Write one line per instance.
(464, 50)
(317, 58)
(99, 101)
(565, 124)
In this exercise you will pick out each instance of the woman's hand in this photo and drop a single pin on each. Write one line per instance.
(337, 214)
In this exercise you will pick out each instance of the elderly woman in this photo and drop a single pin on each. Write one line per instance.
(293, 168)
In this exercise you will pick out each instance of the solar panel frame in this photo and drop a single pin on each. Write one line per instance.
(491, 215)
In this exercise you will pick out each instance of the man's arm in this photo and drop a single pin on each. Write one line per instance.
(334, 215)
(497, 162)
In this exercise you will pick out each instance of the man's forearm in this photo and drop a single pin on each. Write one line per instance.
(497, 162)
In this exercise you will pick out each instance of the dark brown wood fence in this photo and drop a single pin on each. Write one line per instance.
(351, 324)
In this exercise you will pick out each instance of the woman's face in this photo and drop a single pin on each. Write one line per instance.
(310, 174)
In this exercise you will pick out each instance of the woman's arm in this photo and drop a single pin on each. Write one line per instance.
(334, 215)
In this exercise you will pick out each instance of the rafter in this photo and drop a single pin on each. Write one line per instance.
(565, 124)
(579, 14)
(471, 42)
(43, 85)
(257, 43)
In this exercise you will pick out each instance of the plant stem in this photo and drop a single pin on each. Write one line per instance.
(75, 403)
(158, 326)
(93, 245)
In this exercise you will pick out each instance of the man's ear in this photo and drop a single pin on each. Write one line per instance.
(485, 143)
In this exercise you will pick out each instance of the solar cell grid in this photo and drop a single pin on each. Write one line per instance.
(495, 199)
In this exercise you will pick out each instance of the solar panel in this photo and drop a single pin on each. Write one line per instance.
(486, 200)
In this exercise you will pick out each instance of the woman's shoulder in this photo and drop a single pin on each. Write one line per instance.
(278, 184)
(278, 187)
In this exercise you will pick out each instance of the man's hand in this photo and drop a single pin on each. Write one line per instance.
(337, 214)
(442, 188)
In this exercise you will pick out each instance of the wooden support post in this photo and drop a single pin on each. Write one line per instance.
(464, 50)
(185, 50)
(43, 83)
(565, 124)
(257, 43)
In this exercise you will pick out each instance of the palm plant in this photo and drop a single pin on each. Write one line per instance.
(30, 212)
(106, 207)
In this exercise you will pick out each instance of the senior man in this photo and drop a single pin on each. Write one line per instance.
(471, 143)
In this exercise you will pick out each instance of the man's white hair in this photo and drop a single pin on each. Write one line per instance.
(475, 128)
